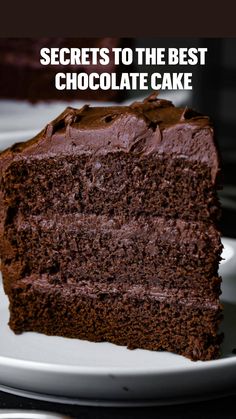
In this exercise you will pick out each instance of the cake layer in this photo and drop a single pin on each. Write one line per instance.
(145, 250)
(147, 158)
(131, 317)
(114, 184)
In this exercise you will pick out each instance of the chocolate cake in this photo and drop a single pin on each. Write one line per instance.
(23, 77)
(109, 229)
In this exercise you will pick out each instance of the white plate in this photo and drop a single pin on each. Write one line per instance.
(102, 373)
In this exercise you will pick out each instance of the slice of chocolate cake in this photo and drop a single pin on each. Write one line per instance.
(108, 229)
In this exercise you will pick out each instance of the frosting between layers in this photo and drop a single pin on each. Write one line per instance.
(171, 229)
(124, 290)
(99, 247)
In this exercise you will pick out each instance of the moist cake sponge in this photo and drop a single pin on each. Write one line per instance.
(109, 228)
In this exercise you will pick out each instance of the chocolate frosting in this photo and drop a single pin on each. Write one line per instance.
(94, 289)
(152, 126)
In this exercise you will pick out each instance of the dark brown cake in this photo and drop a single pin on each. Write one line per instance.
(109, 229)
(23, 77)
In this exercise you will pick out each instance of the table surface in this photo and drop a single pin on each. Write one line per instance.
(220, 408)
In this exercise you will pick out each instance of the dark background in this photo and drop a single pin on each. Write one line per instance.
(221, 408)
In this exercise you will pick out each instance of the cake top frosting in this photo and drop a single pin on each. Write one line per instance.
(152, 126)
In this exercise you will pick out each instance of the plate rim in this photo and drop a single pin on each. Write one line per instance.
(195, 366)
